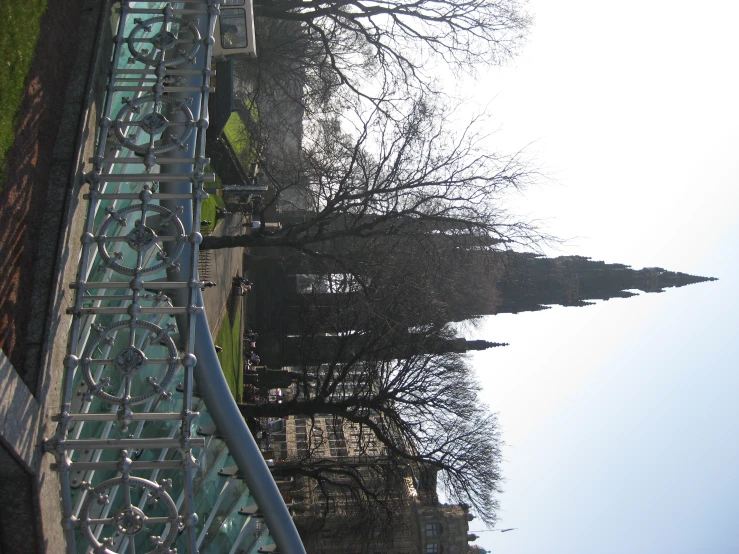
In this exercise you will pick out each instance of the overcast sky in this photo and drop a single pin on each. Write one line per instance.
(622, 419)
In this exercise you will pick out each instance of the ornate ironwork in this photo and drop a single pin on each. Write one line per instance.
(127, 426)
(165, 41)
(130, 520)
(118, 230)
(144, 112)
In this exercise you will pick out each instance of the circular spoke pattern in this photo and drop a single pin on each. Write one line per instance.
(129, 520)
(155, 40)
(140, 238)
(144, 113)
(128, 362)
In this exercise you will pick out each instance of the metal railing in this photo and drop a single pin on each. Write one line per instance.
(136, 471)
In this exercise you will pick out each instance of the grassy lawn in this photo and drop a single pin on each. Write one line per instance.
(229, 338)
(19, 29)
(241, 141)
(208, 209)
(236, 133)
(218, 182)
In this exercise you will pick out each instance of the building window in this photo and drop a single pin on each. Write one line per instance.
(453, 548)
(452, 527)
(233, 28)
(432, 529)
(432, 548)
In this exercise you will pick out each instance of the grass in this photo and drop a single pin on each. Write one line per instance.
(19, 30)
(236, 133)
(218, 182)
(241, 141)
(229, 335)
(232, 357)
(208, 207)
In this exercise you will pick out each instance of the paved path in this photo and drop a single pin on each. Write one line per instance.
(225, 265)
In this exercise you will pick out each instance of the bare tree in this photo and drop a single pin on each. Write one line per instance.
(291, 67)
(413, 177)
(359, 494)
(382, 45)
(422, 409)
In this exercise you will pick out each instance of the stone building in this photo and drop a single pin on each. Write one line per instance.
(443, 529)
(333, 521)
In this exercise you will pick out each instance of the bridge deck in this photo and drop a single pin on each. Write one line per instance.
(138, 459)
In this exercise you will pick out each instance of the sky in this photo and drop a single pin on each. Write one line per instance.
(621, 419)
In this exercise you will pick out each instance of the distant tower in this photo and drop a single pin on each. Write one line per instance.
(527, 282)
(512, 282)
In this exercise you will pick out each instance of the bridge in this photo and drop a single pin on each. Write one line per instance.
(151, 451)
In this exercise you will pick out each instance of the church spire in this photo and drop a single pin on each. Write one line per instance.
(657, 279)
(528, 282)
(464, 345)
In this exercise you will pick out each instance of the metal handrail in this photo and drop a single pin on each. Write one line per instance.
(143, 220)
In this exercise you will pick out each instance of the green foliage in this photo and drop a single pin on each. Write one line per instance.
(218, 183)
(229, 335)
(245, 146)
(232, 358)
(236, 133)
(208, 207)
(19, 30)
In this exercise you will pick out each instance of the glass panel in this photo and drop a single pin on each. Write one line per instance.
(233, 28)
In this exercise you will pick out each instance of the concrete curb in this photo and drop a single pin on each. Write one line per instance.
(56, 264)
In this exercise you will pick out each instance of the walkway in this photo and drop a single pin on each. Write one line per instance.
(226, 263)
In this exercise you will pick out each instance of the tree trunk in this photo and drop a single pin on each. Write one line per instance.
(237, 241)
(304, 408)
